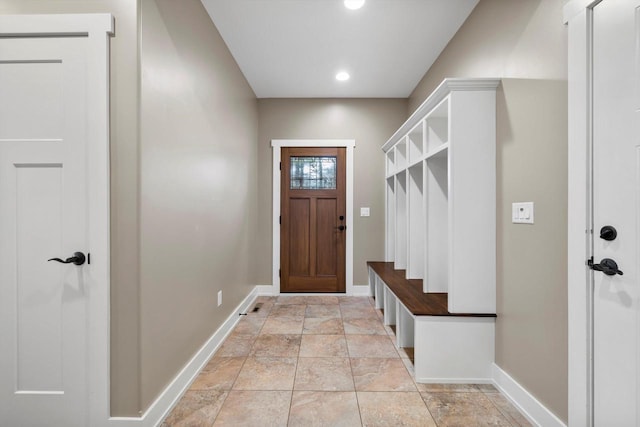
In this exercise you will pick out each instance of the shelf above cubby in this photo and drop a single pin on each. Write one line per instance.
(417, 162)
(390, 158)
(415, 140)
(401, 155)
(440, 151)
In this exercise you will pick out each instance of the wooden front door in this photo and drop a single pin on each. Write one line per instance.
(313, 223)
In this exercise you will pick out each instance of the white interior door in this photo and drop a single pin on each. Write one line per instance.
(616, 190)
(43, 215)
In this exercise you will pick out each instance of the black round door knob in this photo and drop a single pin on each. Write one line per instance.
(78, 258)
(608, 232)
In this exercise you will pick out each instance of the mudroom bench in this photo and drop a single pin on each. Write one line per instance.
(447, 347)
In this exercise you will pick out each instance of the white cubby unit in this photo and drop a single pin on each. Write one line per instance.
(437, 286)
(445, 194)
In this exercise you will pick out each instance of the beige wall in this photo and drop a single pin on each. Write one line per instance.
(529, 52)
(199, 122)
(370, 122)
(124, 186)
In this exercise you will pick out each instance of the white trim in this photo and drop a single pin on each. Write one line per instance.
(57, 25)
(575, 7)
(524, 401)
(361, 291)
(170, 396)
(97, 28)
(579, 248)
(277, 144)
(454, 380)
(266, 290)
(313, 143)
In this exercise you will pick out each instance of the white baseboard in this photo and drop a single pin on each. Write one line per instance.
(361, 291)
(266, 290)
(528, 405)
(454, 380)
(161, 407)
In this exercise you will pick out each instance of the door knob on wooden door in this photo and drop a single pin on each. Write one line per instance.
(341, 227)
(78, 258)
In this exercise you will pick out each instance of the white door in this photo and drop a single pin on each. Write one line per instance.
(43, 215)
(616, 191)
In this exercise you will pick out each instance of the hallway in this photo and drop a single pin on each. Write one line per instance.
(326, 361)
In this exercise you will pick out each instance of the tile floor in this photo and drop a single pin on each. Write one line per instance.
(326, 361)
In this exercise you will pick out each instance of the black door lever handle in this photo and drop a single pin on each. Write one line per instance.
(78, 258)
(607, 266)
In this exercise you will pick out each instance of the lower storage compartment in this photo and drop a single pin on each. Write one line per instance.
(443, 347)
(454, 349)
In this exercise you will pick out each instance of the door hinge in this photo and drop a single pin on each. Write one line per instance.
(280, 165)
(280, 219)
(590, 263)
(279, 273)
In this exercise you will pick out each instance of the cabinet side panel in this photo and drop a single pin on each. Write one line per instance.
(472, 202)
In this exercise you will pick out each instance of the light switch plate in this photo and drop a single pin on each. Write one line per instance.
(522, 213)
(365, 212)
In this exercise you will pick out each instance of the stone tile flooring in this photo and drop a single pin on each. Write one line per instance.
(326, 361)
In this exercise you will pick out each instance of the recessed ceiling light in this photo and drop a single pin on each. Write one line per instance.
(342, 76)
(353, 4)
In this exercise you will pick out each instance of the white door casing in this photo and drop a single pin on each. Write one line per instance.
(603, 190)
(277, 144)
(54, 201)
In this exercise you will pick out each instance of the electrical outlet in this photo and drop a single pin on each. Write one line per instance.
(522, 213)
(219, 298)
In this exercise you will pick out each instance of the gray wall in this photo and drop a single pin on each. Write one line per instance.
(198, 211)
(370, 122)
(529, 52)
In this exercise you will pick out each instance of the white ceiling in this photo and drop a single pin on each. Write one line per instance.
(294, 48)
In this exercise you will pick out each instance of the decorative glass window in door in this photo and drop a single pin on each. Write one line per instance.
(313, 173)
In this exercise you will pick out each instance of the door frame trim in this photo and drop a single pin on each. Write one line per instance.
(277, 144)
(97, 28)
(578, 15)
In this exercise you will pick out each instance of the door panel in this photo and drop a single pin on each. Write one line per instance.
(616, 173)
(313, 203)
(43, 209)
(299, 237)
(38, 190)
(327, 218)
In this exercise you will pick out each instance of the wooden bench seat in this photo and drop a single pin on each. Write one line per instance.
(446, 347)
(409, 292)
